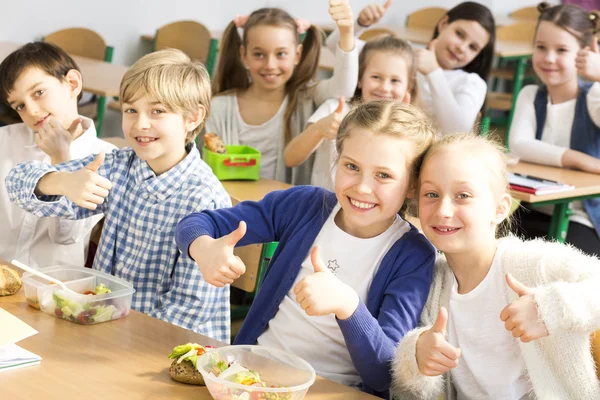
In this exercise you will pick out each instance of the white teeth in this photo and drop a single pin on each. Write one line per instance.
(145, 140)
(364, 206)
(446, 229)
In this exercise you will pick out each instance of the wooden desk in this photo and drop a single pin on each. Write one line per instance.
(99, 77)
(121, 359)
(587, 186)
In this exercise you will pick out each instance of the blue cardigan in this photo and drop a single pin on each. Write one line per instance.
(294, 218)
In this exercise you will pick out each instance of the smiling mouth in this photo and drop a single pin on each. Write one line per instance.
(41, 121)
(445, 229)
(145, 139)
(361, 204)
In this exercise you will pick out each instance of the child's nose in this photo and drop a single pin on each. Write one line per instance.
(445, 208)
(271, 62)
(141, 123)
(365, 185)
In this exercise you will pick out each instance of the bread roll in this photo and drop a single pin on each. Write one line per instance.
(10, 281)
(186, 373)
(214, 143)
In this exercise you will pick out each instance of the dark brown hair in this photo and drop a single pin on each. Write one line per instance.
(472, 11)
(231, 74)
(48, 57)
(574, 19)
(393, 45)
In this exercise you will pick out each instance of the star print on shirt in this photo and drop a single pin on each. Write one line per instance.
(333, 266)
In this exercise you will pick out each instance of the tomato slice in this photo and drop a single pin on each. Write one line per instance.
(89, 292)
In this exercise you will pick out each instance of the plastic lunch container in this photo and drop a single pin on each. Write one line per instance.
(286, 376)
(79, 308)
(239, 163)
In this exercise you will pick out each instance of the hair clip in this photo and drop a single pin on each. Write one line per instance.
(240, 20)
(302, 24)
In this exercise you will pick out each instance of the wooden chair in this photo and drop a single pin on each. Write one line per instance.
(595, 343)
(374, 32)
(191, 37)
(522, 31)
(85, 43)
(526, 13)
(425, 18)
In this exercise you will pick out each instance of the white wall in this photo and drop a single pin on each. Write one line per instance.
(122, 22)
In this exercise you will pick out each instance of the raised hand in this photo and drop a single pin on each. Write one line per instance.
(328, 126)
(435, 356)
(521, 317)
(322, 293)
(588, 62)
(85, 187)
(426, 58)
(55, 140)
(218, 265)
(372, 13)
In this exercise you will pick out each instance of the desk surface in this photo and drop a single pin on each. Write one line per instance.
(252, 190)
(585, 183)
(99, 77)
(121, 359)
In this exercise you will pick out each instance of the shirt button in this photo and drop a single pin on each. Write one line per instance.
(144, 195)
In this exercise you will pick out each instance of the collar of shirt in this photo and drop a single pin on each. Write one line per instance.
(163, 186)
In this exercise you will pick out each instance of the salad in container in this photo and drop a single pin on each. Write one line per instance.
(255, 372)
(99, 297)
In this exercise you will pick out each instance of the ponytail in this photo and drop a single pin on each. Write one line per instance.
(231, 73)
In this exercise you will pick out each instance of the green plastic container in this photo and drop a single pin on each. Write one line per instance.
(241, 163)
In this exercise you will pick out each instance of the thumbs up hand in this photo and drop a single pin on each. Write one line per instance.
(328, 126)
(85, 187)
(218, 265)
(435, 356)
(588, 62)
(426, 59)
(372, 13)
(322, 293)
(55, 140)
(521, 317)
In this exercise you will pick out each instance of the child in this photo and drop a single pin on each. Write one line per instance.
(358, 299)
(495, 290)
(386, 72)
(42, 83)
(454, 68)
(558, 123)
(144, 191)
(264, 91)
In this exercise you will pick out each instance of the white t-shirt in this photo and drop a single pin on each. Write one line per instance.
(323, 173)
(42, 242)
(264, 138)
(491, 365)
(556, 136)
(318, 339)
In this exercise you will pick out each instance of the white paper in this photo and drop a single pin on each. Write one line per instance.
(13, 356)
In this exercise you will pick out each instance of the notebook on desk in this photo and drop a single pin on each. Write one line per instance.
(14, 330)
(536, 185)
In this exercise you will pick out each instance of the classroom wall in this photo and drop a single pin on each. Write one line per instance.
(121, 22)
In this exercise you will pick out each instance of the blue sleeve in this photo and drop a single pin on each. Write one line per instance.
(266, 220)
(372, 341)
(23, 179)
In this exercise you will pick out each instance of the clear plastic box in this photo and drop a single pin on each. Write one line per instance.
(79, 308)
(285, 376)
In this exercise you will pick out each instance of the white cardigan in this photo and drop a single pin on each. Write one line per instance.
(560, 366)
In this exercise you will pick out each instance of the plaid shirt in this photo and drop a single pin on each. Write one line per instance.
(138, 239)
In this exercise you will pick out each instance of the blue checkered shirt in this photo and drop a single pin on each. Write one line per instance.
(138, 238)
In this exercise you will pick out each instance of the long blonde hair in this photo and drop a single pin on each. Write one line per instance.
(231, 74)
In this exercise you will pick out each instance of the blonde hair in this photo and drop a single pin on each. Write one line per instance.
(174, 80)
(388, 44)
(231, 75)
(391, 118)
(491, 153)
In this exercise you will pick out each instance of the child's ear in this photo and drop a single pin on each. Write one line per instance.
(406, 99)
(195, 119)
(503, 209)
(75, 82)
(442, 23)
(298, 54)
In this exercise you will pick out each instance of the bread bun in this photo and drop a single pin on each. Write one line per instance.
(10, 281)
(214, 143)
(186, 373)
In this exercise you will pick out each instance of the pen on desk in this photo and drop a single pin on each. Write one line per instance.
(535, 178)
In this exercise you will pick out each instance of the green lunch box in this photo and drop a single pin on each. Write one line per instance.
(239, 163)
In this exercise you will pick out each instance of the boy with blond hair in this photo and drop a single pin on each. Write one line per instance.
(42, 84)
(144, 191)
